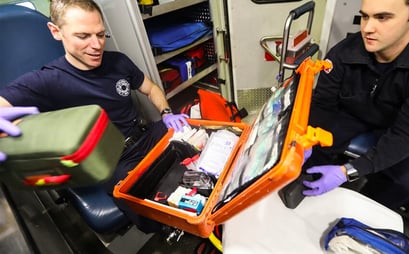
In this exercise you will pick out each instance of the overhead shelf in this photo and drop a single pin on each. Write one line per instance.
(165, 56)
(191, 81)
(169, 7)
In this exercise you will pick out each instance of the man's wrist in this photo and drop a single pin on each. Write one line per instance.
(351, 173)
(166, 111)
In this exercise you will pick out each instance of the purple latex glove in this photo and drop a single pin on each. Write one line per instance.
(176, 121)
(7, 114)
(332, 176)
(307, 154)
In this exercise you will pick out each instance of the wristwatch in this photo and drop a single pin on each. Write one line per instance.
(166, 111)
(352, 173)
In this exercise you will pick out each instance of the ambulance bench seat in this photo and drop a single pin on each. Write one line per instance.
(26, 44)
(361, 144)
(358, 146)
(98, 209)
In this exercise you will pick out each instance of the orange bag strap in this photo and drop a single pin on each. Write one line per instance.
(215, 107)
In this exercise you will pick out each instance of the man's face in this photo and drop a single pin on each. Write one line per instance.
(385, 27)
(83, 36)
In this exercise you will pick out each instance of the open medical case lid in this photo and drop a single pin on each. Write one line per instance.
(273, 153)
(269, 155)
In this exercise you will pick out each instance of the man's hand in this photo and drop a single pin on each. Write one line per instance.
(332, 176)
(7, 114)
(176, 121)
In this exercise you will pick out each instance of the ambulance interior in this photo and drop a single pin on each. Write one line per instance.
(45, 221)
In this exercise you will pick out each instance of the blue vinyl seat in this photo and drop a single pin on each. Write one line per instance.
(26, 44)
(98, 209)
(360, 144)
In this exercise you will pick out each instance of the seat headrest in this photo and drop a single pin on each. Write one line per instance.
(26, 42)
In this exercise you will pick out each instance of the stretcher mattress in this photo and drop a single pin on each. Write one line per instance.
(269, 227)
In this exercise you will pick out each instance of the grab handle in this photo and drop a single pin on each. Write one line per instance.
(293, 14)
(299, 11)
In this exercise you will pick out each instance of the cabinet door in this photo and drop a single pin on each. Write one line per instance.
(222, 47)
(126, 30)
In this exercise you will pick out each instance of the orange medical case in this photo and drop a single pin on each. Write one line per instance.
(268, 155)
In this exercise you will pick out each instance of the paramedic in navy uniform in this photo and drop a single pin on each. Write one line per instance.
(367, 90)
(87, 74)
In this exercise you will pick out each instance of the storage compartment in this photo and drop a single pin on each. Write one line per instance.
(193, 160)
(148, 187)
(165, 174)
(128, 30)
(180, 28)
(188, 68)
(183, 39)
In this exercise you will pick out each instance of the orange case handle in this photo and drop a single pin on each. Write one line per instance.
(311, 136)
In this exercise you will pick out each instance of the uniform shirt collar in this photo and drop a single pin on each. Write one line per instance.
(359, 55)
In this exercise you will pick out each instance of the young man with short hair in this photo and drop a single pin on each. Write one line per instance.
(87, 74)
(367, 90)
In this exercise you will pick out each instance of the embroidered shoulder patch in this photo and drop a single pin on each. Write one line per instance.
(123, 87)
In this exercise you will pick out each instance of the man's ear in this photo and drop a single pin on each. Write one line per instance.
(55, 31)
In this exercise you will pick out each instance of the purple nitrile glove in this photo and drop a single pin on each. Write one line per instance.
(7, 114)
(176, 121)
(332, 176)
(307, 154)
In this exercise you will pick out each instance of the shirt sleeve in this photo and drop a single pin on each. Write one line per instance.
(325, 98)
(391, 149)
(27, 90)
(136, 75)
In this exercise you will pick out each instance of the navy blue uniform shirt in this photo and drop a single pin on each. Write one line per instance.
(357, 96)
(60, 85)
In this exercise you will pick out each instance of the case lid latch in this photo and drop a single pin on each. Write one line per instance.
(315, 136)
